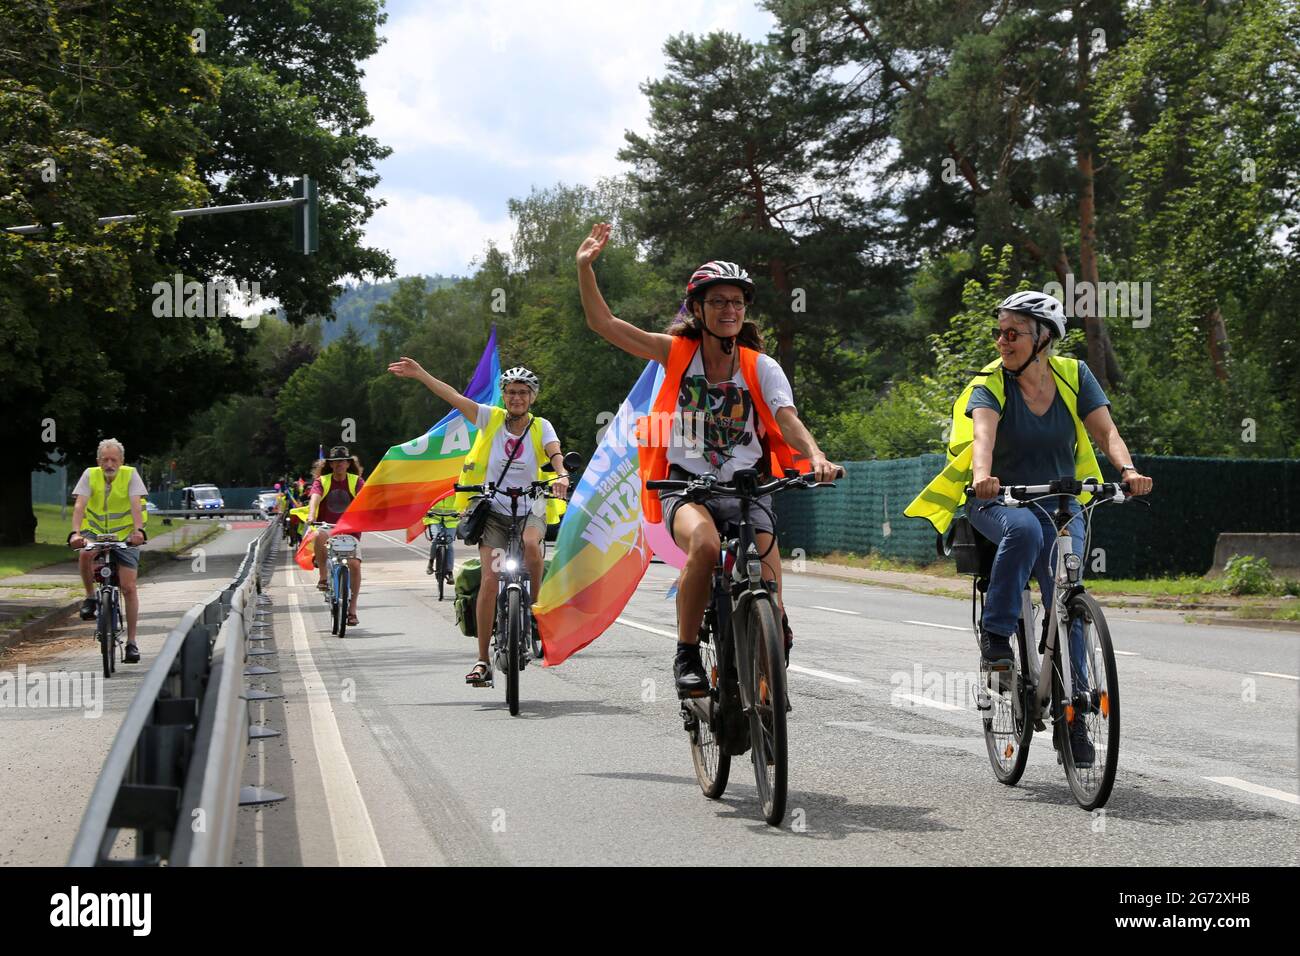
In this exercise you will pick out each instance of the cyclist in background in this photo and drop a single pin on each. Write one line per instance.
(502, 456)
(335, 485)
(110, 500)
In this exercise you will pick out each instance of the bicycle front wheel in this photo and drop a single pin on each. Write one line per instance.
(712, 763)
(345, 598)
(104, 631)
(514, 637)
(1090, 727)
(767, 715)
(1007, 730)
(439, 568)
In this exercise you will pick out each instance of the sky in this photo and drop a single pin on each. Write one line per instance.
(482, 101)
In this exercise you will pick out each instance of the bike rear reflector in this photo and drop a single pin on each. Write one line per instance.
(1069, 713)
(1105, 704)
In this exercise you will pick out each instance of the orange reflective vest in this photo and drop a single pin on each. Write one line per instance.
(654, 431)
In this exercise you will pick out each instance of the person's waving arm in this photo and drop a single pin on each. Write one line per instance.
(410, 368)
(625, 335)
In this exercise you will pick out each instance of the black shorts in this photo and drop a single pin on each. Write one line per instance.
(723, 510)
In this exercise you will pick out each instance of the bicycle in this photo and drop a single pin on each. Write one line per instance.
(747, 699)
(442, 555)
(510, 652)
(109, 620)
(339, 550)
(1041, 683)
(290, 529)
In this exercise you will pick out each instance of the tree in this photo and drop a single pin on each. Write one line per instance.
(731, 171)
(983, 116)
(96, 116)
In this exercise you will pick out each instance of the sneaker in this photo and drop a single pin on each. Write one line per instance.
(132, 655)
(1081, 748)
(688, 672)
(995, 649)
(88, 609)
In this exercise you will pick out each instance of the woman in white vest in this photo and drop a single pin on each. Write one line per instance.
(110, 500)
(505, 453)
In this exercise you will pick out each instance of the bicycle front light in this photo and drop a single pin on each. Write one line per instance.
(1072, 566)
(512, 565)
(106, 572)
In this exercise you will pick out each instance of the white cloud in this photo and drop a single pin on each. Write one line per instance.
(543, 92)
(428, 233)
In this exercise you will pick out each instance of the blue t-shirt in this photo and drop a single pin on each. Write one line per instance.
(1035, 449)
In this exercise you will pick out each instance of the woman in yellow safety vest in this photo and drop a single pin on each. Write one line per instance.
(509, 451)
(1024, 419)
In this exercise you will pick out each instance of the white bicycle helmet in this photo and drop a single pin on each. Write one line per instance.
(1036, 305)
(521, 374)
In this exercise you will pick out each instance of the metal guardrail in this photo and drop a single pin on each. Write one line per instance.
(172, 774)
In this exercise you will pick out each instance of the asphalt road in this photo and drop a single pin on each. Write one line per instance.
(387, 757)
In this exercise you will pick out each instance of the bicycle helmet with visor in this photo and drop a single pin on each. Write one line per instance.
(520, 374)
(1044, 310)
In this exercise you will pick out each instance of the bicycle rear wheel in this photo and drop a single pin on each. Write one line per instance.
(1094, 707)
(767, 716)
(1007, 732)
(345, 598)
(712, 764)
(514, 637)
(104, 631)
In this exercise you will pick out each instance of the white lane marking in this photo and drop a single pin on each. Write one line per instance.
(1127, 654)
(354, 832)
(646, 627)
(946, 627)
(836, 610)
(823, 674)
(826, 675)
(1256, 788)
(926, 702)
(402, 544)
(1271, 674)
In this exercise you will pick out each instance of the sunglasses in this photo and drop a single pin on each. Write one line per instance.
(1011, 334)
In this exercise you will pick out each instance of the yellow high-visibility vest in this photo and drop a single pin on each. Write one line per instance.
(474, 471)
(108, 508)
(939, 500)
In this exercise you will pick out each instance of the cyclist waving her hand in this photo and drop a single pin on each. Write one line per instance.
(732, 409)
(511, 446)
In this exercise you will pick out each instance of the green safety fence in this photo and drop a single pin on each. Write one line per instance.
(1194, 501)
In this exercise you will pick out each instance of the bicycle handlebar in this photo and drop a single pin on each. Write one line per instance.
(1015, 495)
(708, 486)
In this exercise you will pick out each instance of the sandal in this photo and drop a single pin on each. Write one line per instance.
(322, 586)
(353, 620)
(480, 675)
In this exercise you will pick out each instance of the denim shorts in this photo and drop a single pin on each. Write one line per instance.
(723, 510)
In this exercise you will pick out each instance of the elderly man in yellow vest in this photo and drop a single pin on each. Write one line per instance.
(110, 501)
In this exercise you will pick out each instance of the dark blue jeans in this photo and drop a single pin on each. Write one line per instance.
(1026, 539)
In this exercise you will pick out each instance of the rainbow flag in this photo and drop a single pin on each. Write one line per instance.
(601, 552)
(413, 475)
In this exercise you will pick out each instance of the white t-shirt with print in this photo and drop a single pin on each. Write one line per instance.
(523, 470)
(719, 432)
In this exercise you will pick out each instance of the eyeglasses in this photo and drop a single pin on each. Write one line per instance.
(1011, 334)
(519, 393)
(720, 304)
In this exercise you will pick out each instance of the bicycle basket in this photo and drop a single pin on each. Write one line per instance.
(343, 545)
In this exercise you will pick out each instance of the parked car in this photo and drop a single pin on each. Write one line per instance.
(202, 497)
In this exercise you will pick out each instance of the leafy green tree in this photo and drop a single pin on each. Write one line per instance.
(328, 403)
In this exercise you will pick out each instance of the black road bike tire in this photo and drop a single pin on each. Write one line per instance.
(712, 763)
(768, 728)
(345, 598)
(104, 631)
(439, 563)
(1092, 798)
(514, 626)
(1010, 773)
